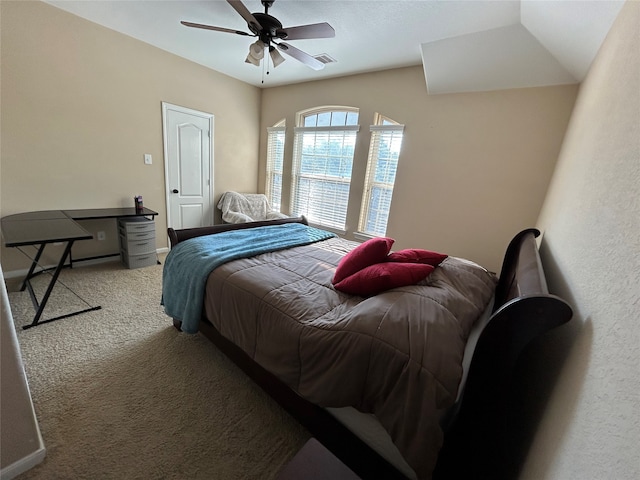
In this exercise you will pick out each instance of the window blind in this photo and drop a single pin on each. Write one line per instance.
(275, 160)
(384, 152)
(322, 164)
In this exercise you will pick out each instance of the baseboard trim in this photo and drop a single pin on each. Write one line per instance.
(24, 464)
(76, 264)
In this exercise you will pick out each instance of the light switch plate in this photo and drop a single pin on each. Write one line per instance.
(147, 159)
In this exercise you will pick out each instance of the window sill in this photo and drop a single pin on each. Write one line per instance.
(337, 231)
(362, 237)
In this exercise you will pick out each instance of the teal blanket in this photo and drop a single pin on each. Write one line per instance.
(189, 263)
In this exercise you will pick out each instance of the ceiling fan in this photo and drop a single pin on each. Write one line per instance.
(271, 34)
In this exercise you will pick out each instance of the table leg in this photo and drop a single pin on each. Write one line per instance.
(41, 305)
(34, 263)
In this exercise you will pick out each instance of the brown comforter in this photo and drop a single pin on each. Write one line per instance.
(397, 355)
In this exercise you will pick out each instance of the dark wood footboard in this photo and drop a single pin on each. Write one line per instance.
(476, 429)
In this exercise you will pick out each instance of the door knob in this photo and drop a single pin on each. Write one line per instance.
(175, 190)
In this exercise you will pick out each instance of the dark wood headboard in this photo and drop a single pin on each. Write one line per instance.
(177, 236)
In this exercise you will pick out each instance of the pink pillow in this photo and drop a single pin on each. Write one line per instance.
(417, 255)
(372, 251)
(376, 278)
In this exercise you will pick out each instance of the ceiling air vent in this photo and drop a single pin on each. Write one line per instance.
(325, 58)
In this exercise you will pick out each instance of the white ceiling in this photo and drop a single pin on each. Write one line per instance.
(462, 45)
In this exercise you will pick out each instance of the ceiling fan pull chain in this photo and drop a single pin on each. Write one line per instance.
(266, 62)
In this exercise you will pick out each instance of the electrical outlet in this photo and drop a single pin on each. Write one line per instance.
(147, 159)
(101, 235)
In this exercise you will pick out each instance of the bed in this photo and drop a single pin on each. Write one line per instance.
(409, 382)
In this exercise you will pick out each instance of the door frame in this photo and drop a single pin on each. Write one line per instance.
(189, 111)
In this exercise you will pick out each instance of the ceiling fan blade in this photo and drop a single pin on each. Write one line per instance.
(217, 29)
(314, 30)
(239, 7)
(301, 56)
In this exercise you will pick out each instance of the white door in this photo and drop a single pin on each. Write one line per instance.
(188, 160)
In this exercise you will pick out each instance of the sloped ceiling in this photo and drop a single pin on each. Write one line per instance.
(463, 45)
(550, 43)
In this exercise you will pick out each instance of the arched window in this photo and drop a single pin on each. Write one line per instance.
(324, 146)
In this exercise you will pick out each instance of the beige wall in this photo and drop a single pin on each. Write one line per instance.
(81, 105)
(591, 226)
(474, 167)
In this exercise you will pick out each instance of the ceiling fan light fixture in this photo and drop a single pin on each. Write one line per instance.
(252, 60)
(256, 53)
(276, 58)
(257, 49)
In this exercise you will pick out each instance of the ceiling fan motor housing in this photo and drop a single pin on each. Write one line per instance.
(271, 28)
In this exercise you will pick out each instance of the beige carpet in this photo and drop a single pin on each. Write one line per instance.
(120, 394)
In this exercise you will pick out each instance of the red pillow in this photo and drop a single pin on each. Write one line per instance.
(372, 251)
(417, 255)
(383, 276)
